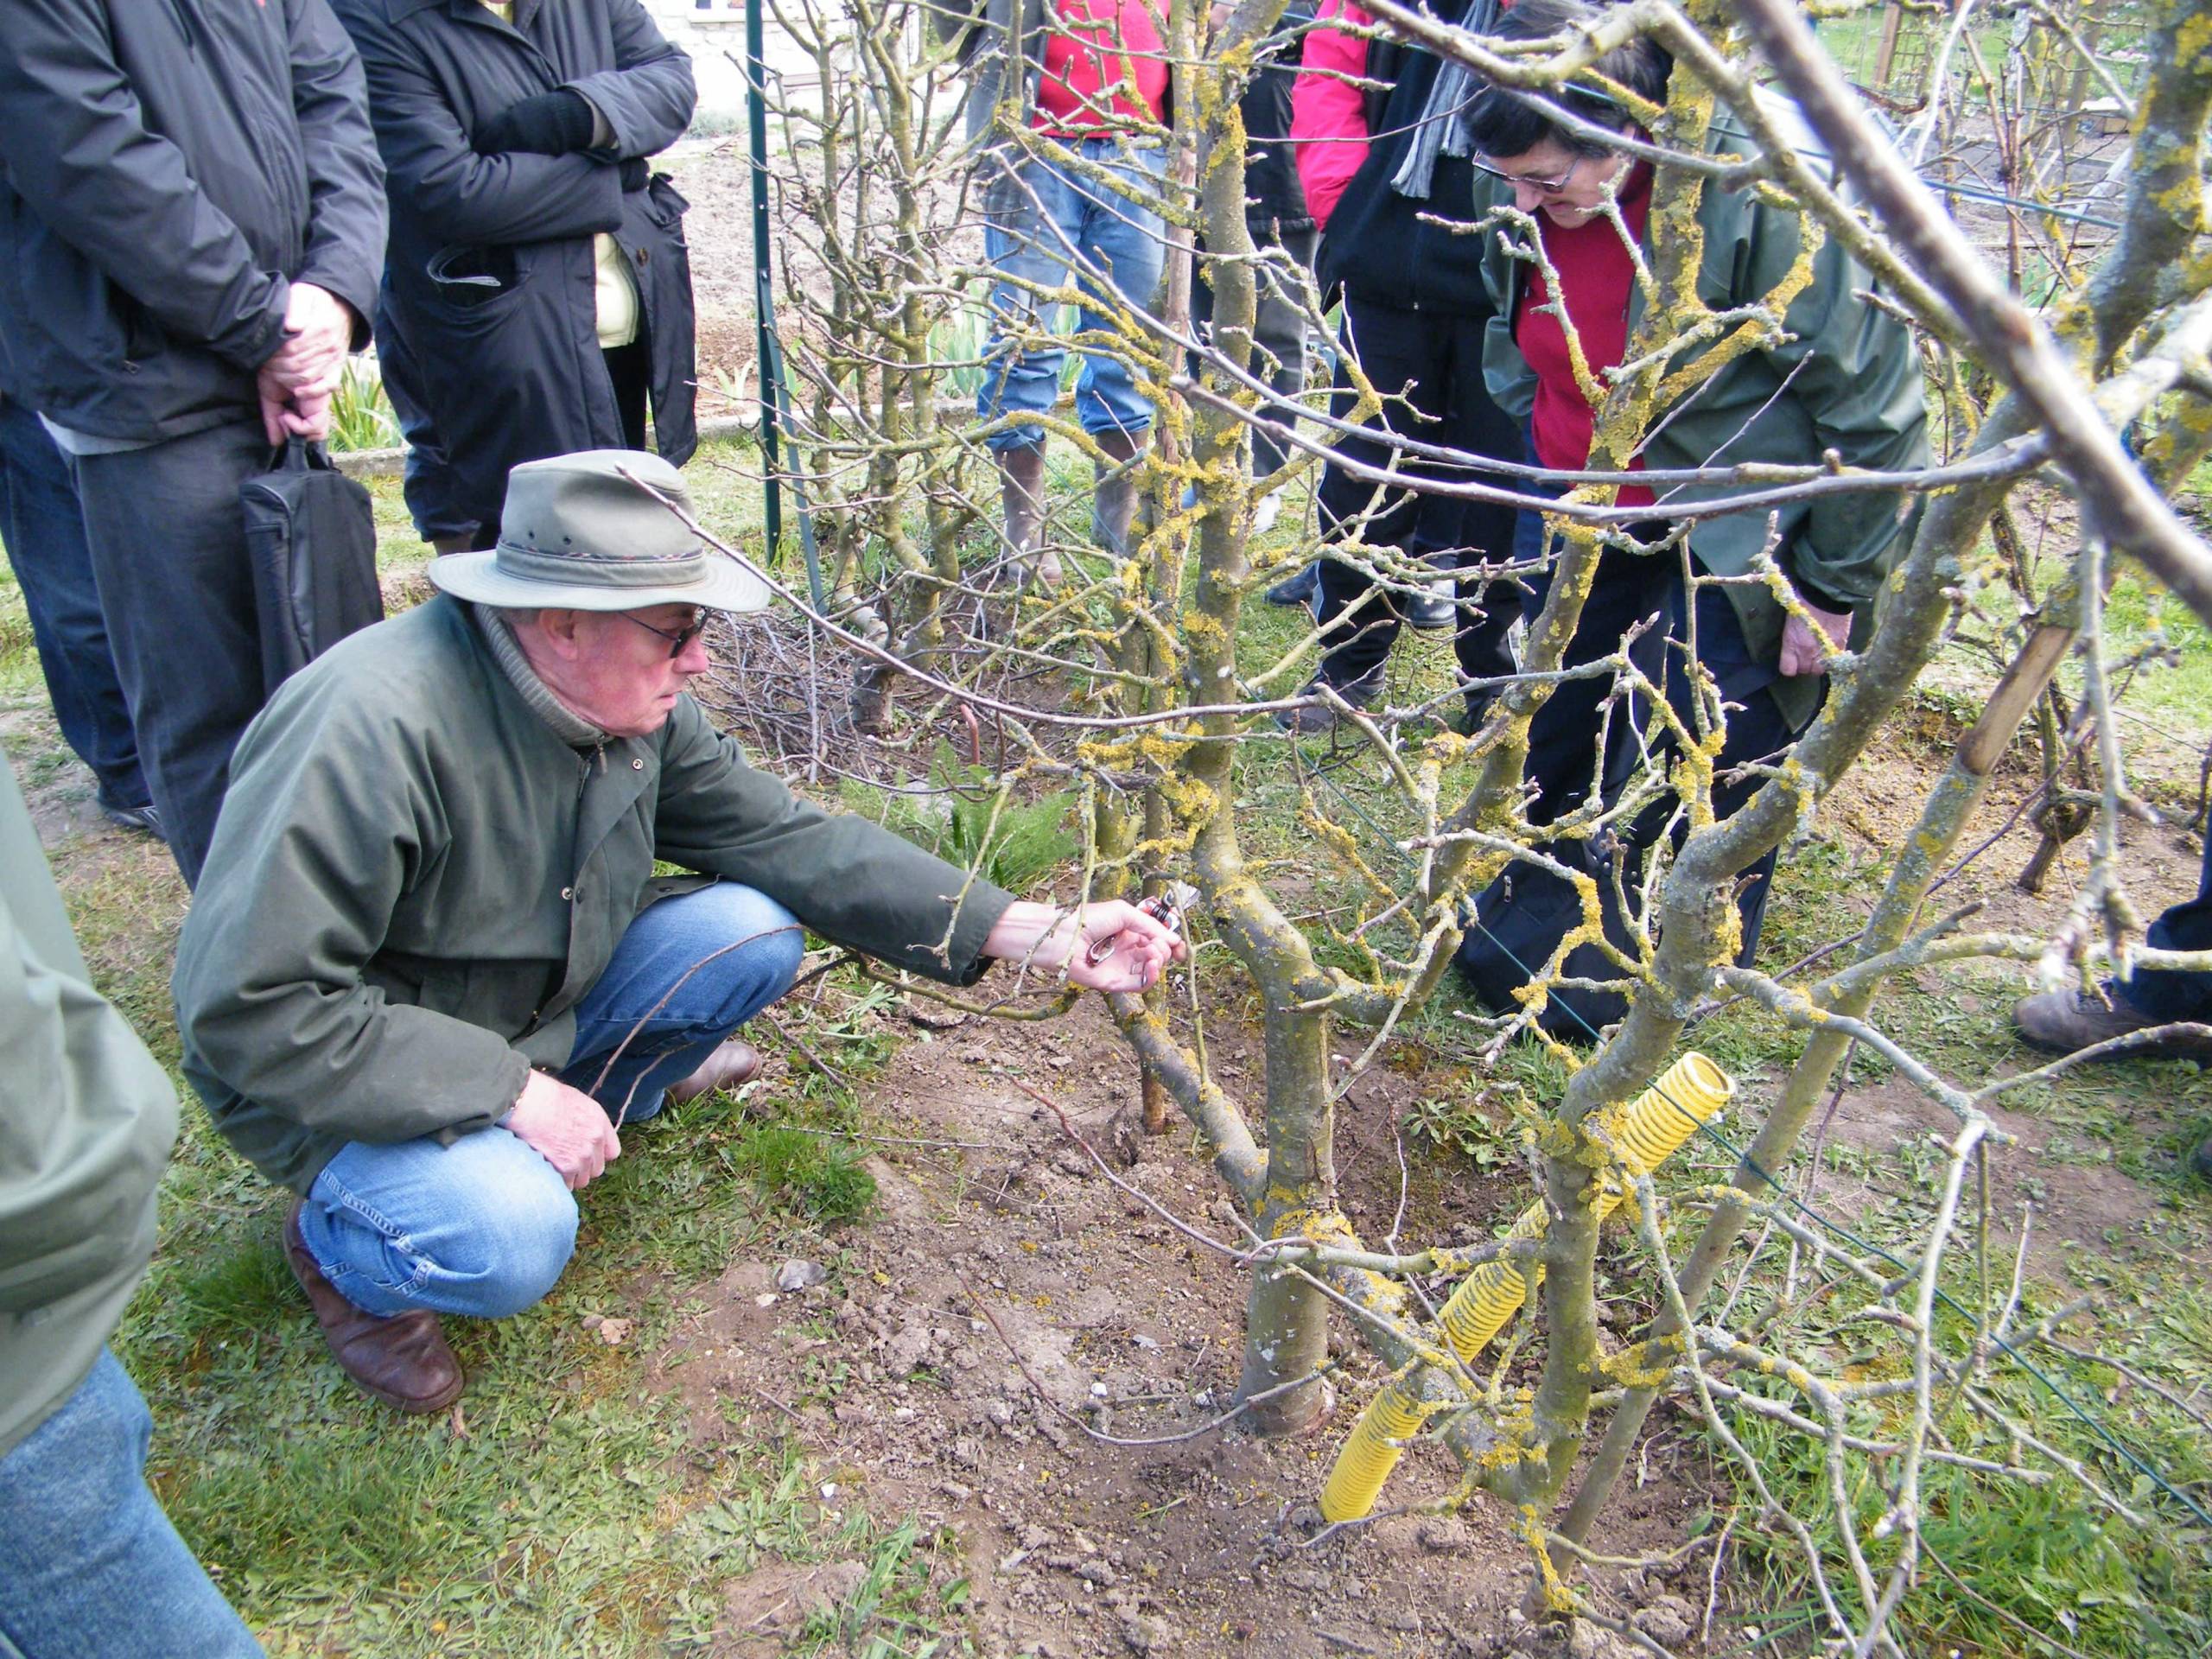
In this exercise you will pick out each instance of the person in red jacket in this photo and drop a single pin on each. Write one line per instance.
(1393, 212)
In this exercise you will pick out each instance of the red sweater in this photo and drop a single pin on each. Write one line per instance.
(1101, 44)
(1597, 274)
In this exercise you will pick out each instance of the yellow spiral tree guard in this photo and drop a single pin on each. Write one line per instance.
(1645, 1134)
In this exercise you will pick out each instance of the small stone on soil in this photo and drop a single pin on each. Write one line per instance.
(1666, 1619)
(797, 1275)
(1443, 1534)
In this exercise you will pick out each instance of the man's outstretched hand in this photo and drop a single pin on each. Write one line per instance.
(296, 383)
(1047, 937)
(566, 1127)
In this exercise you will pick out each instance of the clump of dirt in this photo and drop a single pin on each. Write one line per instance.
(1014, 1302)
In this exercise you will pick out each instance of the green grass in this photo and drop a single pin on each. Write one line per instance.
(19, 670)
(805, 1173)
(576, 1513)
(361, 416)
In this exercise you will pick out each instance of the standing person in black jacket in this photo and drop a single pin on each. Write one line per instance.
(191, 218)
(1276, 216)
(537, 292)
(1414, 314)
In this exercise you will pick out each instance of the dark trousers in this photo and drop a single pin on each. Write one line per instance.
(2168, 994)
(631, 368)
(1436, 358)
(45, 537)
(167, 542)
(1278, 334)
(1521, 917)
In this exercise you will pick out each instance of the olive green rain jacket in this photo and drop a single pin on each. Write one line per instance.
(86, 1121)
(1847, 379)
(416, 879)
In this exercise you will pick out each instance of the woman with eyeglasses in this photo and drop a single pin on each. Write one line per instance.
(1395, 219)
(1842, 379)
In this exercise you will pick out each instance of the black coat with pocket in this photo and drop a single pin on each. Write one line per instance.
(167, 170)
(1415, 253)
(1275, 200)
(487, 326)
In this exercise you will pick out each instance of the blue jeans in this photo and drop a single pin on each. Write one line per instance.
(483, 1227)
(45, 537)
(1054, 219)
(88, 1561)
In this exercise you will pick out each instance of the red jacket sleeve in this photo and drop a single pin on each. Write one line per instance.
(1328, 113)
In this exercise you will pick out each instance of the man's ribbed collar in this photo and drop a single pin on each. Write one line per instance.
(568, 726)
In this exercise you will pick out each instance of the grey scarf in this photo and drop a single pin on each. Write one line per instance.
(1442, 129)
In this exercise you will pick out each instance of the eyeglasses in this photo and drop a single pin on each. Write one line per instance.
(1542, 186)
(677, 639)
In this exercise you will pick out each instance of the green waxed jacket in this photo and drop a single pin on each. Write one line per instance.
(415, 880)
(1848, 379)
(86, 1120)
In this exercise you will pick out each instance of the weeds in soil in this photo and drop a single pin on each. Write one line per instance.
(361, 415)
(810, 1176)
(961, 814)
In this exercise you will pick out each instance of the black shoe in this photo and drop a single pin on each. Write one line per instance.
(1475, 710)
(2064, 1022)
(1299, 590)
(143, 819)
(2200, 1160)
(1321, 716)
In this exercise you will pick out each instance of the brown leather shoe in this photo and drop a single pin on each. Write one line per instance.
(403, 1361)
(735, 1063)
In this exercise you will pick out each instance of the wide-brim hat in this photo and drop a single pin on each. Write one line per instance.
(592, 531)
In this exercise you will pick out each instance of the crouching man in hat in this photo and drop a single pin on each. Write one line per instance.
(429, 975)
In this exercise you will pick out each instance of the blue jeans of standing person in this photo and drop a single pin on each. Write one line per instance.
(45, 537)
(1044, 220)
(483, 1227)
(89, 1563)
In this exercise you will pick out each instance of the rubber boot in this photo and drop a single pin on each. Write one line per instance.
(1113, 498)
(1021, 496)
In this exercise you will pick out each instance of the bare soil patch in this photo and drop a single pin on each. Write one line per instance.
(2074, 1203)
(1008, 1293)
(2078, 1196)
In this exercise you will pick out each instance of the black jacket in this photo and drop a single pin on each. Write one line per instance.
(506, 367)
(1387, 248)
(1275, 200)
(168, 168)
